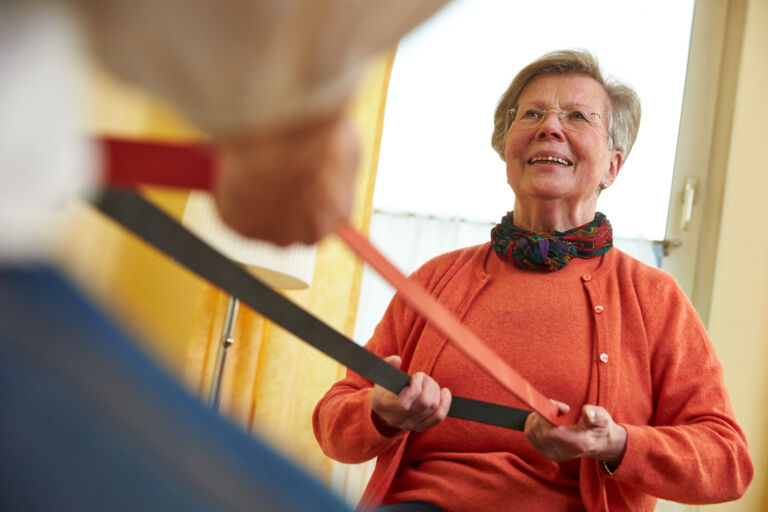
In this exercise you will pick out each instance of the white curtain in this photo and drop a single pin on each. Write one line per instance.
(409, 240)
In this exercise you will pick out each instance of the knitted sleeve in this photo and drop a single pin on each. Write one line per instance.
(694, 451)
(342, 420)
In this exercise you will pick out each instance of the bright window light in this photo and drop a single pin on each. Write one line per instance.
(448, 75)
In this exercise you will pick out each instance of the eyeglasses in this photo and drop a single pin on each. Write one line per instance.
(571, 120)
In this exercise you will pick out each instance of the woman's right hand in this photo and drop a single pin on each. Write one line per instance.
(421, 405)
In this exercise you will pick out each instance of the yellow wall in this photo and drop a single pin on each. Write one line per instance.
(739, 314)
(274, 380)
(150, 295)
(286, 393)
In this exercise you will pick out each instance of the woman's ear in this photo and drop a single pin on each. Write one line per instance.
(614, 166)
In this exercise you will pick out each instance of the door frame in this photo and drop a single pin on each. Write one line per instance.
(703, 146)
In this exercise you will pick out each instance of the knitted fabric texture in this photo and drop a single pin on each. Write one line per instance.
(550, 250)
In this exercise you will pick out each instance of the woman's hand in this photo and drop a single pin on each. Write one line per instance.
(418, 407)
(595, 435)
(289, 185)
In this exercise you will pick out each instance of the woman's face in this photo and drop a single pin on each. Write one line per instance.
(584, 161)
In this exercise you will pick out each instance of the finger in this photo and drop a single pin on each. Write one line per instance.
(530, 422)
(445, 404)
(439, 414)
(589, 415)
(536, 428)
(430, 394)
(425, 404)
(534, 420)
(394, 360)
(562, 407)
(411, 392)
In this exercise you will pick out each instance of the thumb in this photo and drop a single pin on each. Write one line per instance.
(394, 361)
(593, 416)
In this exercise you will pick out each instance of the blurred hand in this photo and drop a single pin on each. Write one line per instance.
(418, 407)
(595, 435)
(289, 185)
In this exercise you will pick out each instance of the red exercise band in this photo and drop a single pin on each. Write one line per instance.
(129, 163)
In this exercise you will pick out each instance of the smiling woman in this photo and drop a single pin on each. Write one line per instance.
(613, 342)
(558, 164)
(556, 172)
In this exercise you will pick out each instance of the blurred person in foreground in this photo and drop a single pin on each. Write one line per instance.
(613, 342)
(87, 422)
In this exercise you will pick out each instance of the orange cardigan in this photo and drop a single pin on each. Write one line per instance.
(664, 384)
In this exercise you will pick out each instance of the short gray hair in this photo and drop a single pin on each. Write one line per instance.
(623, 121)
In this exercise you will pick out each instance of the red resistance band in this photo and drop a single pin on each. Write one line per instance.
(130, 163)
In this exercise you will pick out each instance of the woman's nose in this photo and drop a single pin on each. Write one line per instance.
(550, 127)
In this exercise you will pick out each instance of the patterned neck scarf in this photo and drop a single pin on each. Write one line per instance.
(550, 250)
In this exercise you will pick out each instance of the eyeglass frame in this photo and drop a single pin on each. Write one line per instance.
(561, 114)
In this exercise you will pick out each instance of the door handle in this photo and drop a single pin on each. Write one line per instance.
(667, 245)
(689, 197)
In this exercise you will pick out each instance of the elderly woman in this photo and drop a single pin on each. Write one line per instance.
(613, 342)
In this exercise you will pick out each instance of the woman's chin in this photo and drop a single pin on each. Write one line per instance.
(544, 189)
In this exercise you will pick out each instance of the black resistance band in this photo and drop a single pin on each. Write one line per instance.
(163, 232)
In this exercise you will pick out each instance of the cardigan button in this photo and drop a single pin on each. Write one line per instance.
(599, 309)
(586, 277)
(604, 357)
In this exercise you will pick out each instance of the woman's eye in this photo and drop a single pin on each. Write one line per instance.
(533, 114)
(577, 116)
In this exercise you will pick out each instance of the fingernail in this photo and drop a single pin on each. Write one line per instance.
(590, 414)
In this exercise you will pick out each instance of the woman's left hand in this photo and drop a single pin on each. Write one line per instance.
(595, 435)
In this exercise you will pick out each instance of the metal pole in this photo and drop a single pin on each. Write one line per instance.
(221, 356)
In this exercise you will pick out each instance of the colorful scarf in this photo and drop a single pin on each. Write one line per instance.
(550, 250)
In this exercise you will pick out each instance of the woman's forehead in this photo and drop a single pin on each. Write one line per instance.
(564, 90)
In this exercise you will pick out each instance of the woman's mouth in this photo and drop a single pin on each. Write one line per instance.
(549, 159)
